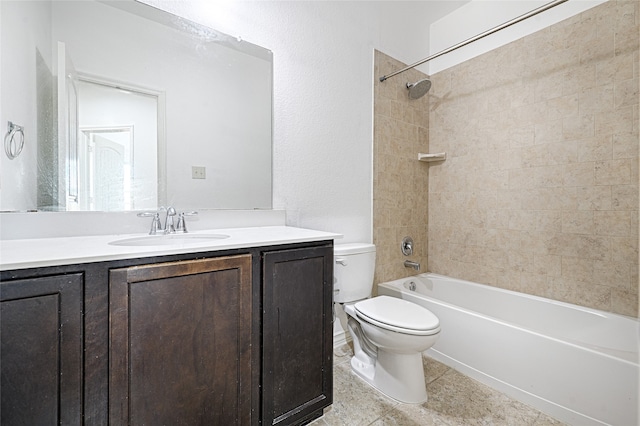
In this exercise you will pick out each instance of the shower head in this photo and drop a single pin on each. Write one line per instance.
(419, 88)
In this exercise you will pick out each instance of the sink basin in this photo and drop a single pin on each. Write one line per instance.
(168, 239)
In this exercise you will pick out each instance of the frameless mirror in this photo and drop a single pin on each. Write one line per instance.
(127, 107)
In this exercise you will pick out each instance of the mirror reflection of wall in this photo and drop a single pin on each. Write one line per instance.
(28, 25)
(215, 112)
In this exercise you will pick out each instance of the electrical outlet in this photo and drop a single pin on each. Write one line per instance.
(198, 172)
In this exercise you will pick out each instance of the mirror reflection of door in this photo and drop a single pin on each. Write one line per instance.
(62, 167)
(117, 167)
(105, 158)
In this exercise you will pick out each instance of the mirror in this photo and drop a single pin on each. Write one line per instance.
(126, 107)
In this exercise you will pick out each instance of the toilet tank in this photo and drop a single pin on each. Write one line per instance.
(354, 265)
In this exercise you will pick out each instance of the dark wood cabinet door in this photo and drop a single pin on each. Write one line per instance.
(297, 334)
(180, 343)
(41, 350)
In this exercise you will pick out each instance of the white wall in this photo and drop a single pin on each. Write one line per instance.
(479, 16)
(323, 95)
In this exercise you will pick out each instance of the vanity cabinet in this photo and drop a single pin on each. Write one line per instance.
(41, 350)
(297, 334)
(230, 337)
(179, 343)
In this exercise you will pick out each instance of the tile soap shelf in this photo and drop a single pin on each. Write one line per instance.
(441, 156)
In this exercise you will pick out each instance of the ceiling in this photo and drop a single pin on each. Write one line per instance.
(439, 8)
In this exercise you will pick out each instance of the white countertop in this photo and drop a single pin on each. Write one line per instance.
(30, 253)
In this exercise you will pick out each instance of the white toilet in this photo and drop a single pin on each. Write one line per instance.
(389, 334)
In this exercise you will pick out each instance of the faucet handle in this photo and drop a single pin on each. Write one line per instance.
(182, 224)
(155, 222)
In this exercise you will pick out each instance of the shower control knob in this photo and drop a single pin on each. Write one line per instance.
(407, 246)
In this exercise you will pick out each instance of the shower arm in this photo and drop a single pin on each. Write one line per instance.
(478, 37)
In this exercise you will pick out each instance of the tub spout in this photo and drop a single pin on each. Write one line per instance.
(412, 264)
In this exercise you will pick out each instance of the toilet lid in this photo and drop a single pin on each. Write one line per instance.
(398, 315)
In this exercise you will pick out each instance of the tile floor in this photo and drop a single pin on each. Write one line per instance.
(454, 399)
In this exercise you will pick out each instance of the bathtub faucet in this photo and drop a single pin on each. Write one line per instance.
(412, 264)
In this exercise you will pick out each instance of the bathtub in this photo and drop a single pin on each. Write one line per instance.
(576, 364)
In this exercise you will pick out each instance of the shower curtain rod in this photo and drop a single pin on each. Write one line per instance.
(478, 37)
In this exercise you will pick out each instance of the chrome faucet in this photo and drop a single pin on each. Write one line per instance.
(169, 227)
(412, 264)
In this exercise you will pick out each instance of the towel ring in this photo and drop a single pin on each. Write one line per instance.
(12, 146)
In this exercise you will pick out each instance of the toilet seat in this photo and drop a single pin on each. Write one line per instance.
(398, 315)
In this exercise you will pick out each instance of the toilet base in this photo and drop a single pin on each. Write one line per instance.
(398, 376)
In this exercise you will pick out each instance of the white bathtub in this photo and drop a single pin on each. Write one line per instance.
(579, 365)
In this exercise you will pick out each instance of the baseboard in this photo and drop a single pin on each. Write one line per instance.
(341, 338)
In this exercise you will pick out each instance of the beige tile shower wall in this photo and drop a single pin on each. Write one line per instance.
(539, 193)
(400, 181)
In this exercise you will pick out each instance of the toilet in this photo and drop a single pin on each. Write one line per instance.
(389, 334)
